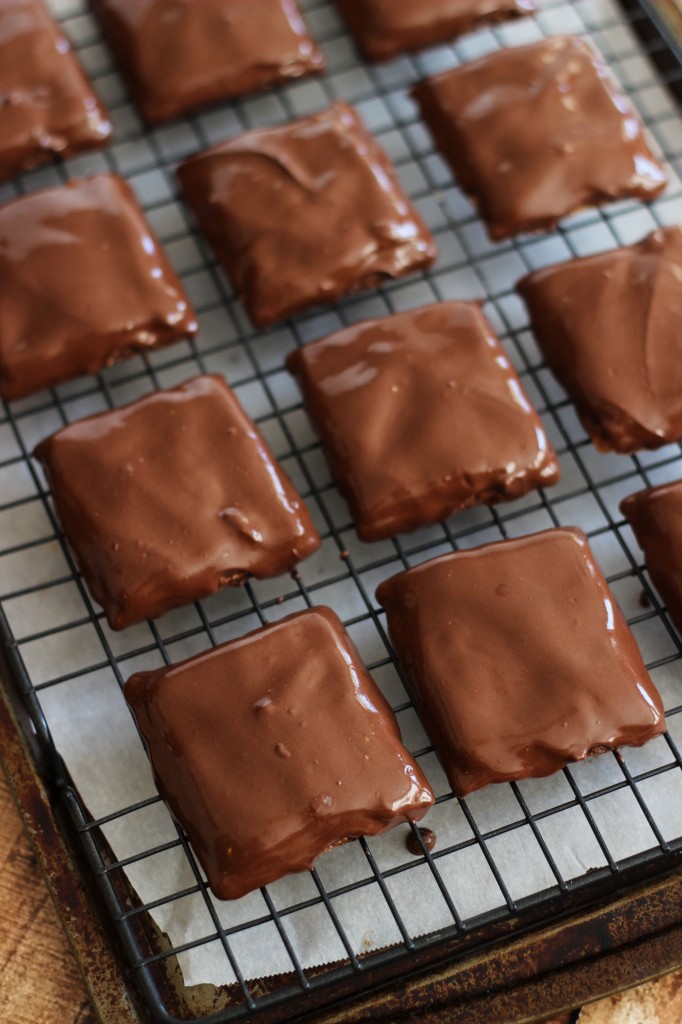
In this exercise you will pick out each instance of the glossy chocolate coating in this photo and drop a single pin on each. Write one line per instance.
(384, 28)
(305, 213)
(655, 515)
(171, 498)
(421, 414)
(274, 747)
(47, 105)
(519, 659)
(181, 54)
(83, 283)
(536, 132)
(609, 327)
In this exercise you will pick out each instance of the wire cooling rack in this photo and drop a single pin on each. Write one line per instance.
(71, 637)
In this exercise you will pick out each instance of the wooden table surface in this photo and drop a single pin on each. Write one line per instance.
(39, 982)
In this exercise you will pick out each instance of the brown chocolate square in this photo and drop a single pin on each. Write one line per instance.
(519, 659)
(384, 28)
(421, 414)
(609, 327)
(274, 747)
(83, 283)
(304, 213)
(178, 55)
(537, 132)
(47, 105)
(171, 498)
(655, 515)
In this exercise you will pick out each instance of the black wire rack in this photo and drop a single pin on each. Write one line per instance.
(38, 570)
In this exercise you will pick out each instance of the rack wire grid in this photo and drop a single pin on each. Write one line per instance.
(39, 567)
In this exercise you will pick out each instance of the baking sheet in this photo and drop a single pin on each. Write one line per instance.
(534, 836)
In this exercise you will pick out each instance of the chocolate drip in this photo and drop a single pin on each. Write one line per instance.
(414, 846)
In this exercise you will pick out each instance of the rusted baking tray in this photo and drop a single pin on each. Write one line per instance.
(525, 954)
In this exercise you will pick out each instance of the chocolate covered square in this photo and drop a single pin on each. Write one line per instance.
(304, 213)
(178, 55)
(47, 105)
(519, 659)
(536, 132)
(83, 283)
(421, 414)
(274, 747)
(609, 328)
(385, 28)
(171, 498)
(655, 515)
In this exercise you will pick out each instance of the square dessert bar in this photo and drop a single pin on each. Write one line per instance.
(536, 132)
(47, 105)
(421, 414)
(609, 327)
(181, 54)
(304, 213)
(655, 515)
(171, 498)
(272, 748)
(384, 28)
(519, 659)
(83, 283)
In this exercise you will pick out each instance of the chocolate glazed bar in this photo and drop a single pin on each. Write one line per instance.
(47, 105)
(609, 327)
(194, 501)
(83, 283)
(655, 515)
(178, 55)
(519, 659)
(274, 747)
(304, 213)
(536, 132)
(385, 28)
(421, 414)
